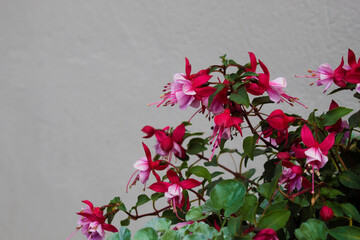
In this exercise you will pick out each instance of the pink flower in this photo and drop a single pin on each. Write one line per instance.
(145, 166)
(292, 176)
(326, 213)
(279, 122)
(187, 89)
(222, 129)
(173, 190)
(316, 154)
(353, 73)
(170, 142)
(266, 234)
(92, 222)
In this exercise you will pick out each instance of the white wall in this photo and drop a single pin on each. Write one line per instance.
(75, 78)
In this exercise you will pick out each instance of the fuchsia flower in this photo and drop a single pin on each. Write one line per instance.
(92, 222)
(274, 88)
(326, 213)
(145, 166)
(316, 154)
(167, 142)
(266, 234)
(292, 176)
(353, 74)
(187, 89)
(223, 124)
(279, 122)
(174, 190)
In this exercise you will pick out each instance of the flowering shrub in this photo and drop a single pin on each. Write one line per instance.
(311, 181)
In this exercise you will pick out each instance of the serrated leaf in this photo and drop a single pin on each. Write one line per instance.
(350, 180)
(240, 97)
(201, 172)
(142, 199)
(345, 233)
(276, 219)
(333, 115)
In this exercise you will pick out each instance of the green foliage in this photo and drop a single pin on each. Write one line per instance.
(146, 234)
(350, 180)
(312, 229)
(333, 115)
(228, 195)
(240, 97)
(345, 233)
(275, 219)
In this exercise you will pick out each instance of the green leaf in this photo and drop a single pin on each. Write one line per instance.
(333, 115)
(345, 233)
(156, 196)
(146, 234)
(159, 224)
(312, 229)
(338, 212)
(125, 222)
(113, 236)
(142, 199)
(195, 213)
(234, 226)
(330, 193)
(170, 235)
(261, 100)
(195, 236)
(196, 145)
(229, 195)
(250, 74)
(354, 120)
(201, 172)
(240, 97)
(248, 209)
(351, 211)
(350, 180)
(276, 219)
(232, 62)
(124, 233)
(249, 145)
(267, 189)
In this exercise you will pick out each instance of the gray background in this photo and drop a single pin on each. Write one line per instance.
(76, 77)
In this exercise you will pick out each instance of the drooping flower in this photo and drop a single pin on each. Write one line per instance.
(144, 166)
(278, 121)
(187, 89)
(292, 177)
(316, 154)
(326, 213)
(222, 129)
(353, 73)
(92, 222)
(266, 234)
(174, 190)
(274, 88)
(170, 142)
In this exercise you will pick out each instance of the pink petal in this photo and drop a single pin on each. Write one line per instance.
(351, 58)
(327, 143)
(109, 227)
(200, 80)
(87, 202)
(142, 164)
(178, 133)
(187, 67)
(188, 89)
(147, 152)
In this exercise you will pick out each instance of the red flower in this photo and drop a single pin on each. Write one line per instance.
(266, 234)
(92, 222)
(170, 142)
(145, 166)
(279, 122)
(223, 124)
(173, 190)
(326, 213)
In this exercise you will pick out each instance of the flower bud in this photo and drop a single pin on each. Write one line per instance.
(266, 234)
(326, 213)
(149, 131)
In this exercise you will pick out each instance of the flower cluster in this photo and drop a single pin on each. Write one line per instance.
(309, 186)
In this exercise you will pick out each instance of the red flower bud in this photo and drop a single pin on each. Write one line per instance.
(149, 131)
(326, 213)
(266, 234)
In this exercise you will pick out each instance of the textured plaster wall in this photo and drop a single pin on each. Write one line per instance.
(75, 77)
